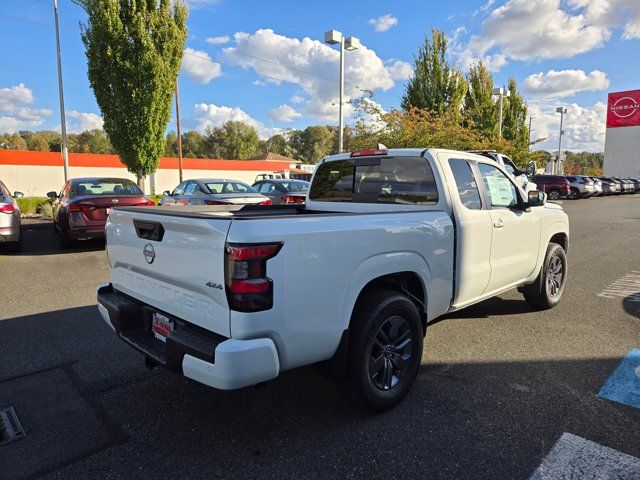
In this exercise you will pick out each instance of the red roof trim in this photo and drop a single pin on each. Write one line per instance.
(95, 160)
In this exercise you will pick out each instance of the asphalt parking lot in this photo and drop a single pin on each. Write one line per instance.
(499, 384)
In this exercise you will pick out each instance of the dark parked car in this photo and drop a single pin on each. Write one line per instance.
(283, 192)
(555, 186)
(636, 184)
(81, 209)
(213, 191)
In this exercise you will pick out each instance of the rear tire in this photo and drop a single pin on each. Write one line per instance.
(552, 280)
(554, 194)
(385, 349)
(574, 194)
(65, 241)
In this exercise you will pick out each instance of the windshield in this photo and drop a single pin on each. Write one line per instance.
(295, 186)
(106, 186)
(229, 187)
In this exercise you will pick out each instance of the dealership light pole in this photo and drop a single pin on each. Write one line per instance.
(179, 133)
(500, 92)
(333, 37)
(63, 122)
(561, 111)
(530, 118)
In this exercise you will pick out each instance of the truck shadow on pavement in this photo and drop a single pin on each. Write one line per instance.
(463, 419)
(631, 305)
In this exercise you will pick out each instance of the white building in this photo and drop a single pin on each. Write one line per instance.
(622, 141)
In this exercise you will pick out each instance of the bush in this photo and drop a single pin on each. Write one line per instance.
(35, 205)
(45, 209)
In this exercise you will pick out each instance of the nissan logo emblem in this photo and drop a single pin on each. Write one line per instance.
(114, 200)
(149, 253)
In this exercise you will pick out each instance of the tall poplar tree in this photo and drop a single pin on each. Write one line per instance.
(479, 106)
(435, 84)
(134, 52)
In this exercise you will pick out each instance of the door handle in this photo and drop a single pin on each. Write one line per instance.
(498, 223)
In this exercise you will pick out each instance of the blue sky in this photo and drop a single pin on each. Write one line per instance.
(264, 62)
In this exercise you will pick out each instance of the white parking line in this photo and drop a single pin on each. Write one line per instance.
(627, 286)
(574, 457)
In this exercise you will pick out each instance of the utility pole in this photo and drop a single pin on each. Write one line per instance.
(561, 111)
(63, 122)
(179, 133)
(530, 117)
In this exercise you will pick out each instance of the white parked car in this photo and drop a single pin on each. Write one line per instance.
(387, 242)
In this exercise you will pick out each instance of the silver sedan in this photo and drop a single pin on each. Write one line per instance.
(214, 191)
(9, 218)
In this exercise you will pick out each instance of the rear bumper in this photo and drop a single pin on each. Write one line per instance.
(9, 234)
(85, 233)
(203, 356)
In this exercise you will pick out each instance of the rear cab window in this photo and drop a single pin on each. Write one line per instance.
(390, 180)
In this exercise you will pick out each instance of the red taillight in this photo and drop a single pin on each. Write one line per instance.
(266, 202)
(80, 207)
(289, 199)
(368, 153)
(148, 203)
(7, 208)
(214, 202)
(248, 287)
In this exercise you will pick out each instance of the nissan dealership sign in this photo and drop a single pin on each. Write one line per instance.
(622, 145)
(623, 109)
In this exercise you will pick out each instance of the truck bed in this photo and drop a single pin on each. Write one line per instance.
(234, 212)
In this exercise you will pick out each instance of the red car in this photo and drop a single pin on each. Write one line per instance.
(555, 186)
(80, 211)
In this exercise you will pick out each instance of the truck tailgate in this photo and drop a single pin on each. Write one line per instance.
(172, 263)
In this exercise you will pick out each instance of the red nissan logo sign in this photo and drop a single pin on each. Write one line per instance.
(624, 109)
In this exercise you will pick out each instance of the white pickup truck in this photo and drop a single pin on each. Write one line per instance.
(387, 242)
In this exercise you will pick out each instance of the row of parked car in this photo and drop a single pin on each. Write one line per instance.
(582, 186)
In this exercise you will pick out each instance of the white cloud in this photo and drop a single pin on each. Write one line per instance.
(399, 70)
(563, 83)
(297, 99)
(78, 122)
(284, 113)
(14, 114)
(524, 30)
(197, 65)
(384, 22)
(218, 40)
(209, 115)
(12, 96)
(584, 127)
(311, 65)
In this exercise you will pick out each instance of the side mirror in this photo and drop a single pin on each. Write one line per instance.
(537, 198)
(166, 193)
(531, 168)
(52, 195)
(18, 194)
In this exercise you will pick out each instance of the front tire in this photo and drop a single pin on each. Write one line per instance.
(385, 349)
(551, 280)
(573, 194)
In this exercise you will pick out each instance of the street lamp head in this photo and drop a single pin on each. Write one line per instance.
(351, 43)
(332, 37)
(497, 91)
(561, 110)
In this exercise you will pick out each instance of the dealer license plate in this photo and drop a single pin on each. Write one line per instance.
(161, 326)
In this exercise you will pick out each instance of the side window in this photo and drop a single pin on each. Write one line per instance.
(502, 193)
(198, 191)
(466, 183)
(3, 191)
(191, 188)
(179, 190)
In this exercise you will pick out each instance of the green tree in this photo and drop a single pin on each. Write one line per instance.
(171, 145)
(35, 141)
(317, 142)
(90, 141)
(480, 108)
(277, 144)
(435, 84)
(514, 117)
(134, 51)
(234, 140)
(193, 145)
(12, 141)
